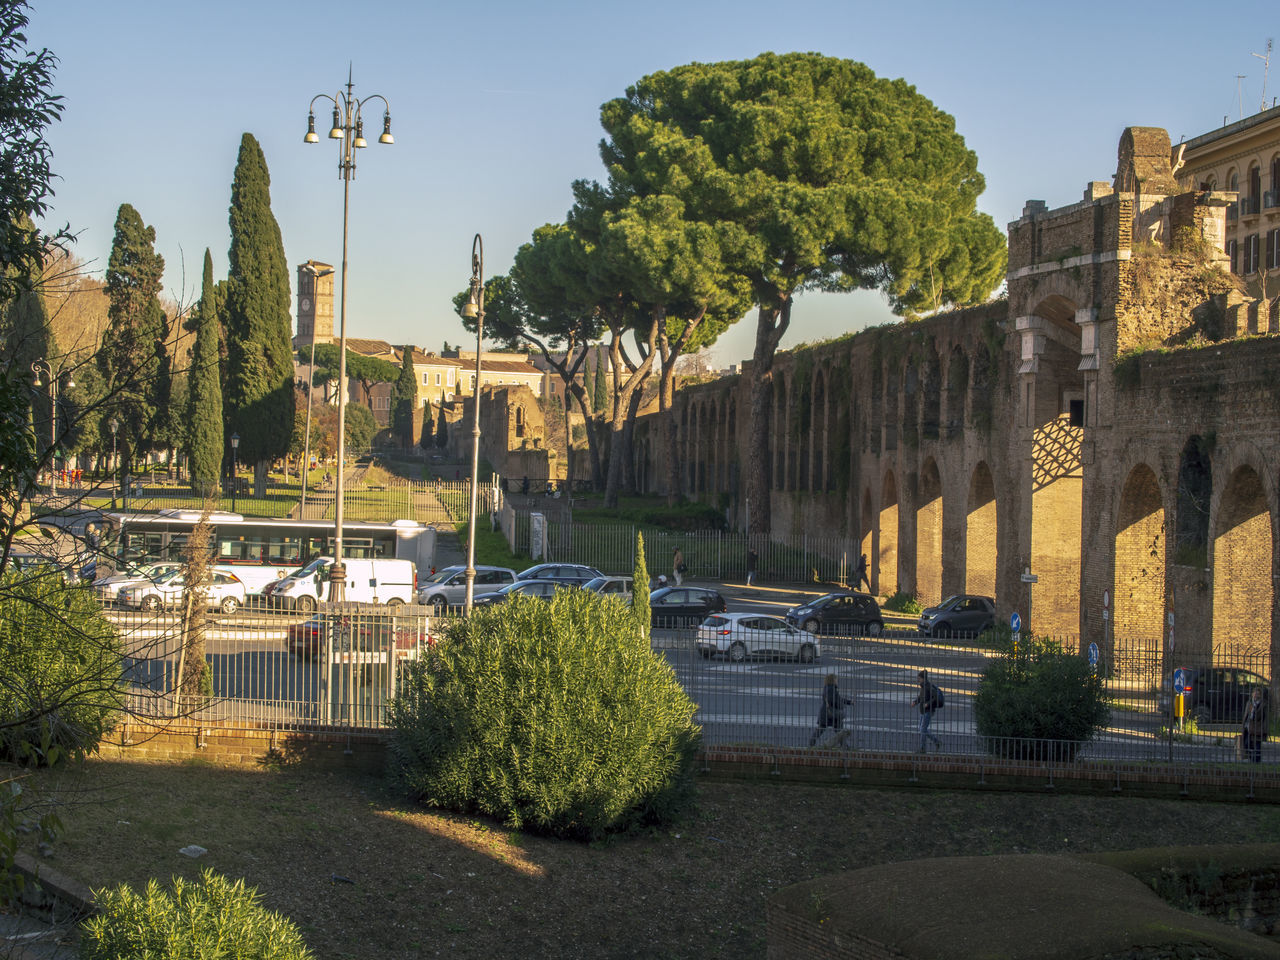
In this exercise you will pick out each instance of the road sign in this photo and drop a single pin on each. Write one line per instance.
(1015, 622)
(1180, 680)
(1093, 654)
(1106, 599)
(1030, 578)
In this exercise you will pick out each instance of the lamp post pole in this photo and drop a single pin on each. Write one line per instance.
(348, 130)
(474, 309)
(44, 368)
(311, 385)
(114, 424)
(235, 445)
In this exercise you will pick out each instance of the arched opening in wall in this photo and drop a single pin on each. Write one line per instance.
(981, 390)
(910, 427)
(929, 536)
(980, 529)
(886, 561)
(1242, 585)
(684, 443)
(710, 446)
(731, 448)
(519, 422)
(840, 434)
(931, 397)
(818, 432)
(1195, 493)
(875, 422)
(800, 423)
(891, 405)
(1138, 597)
(779, 433)
(700, 449)
(866, 540)
(957, 387)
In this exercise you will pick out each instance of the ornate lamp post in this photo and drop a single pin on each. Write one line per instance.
(114, 424)
(474, 309)
(235, 445)
(43, 368)
(348, 130)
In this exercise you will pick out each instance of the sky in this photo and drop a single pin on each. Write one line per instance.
(495, 112)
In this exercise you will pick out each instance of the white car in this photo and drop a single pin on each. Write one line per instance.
(225, 592)
(108, 588)
(742, 635)
(448, 587)
(610, 587)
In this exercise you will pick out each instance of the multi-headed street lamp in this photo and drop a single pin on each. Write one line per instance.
(43, 368)
(473, 309)
(235, 445)
(348, 130)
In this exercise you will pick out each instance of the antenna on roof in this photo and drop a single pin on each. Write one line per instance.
(1240, 94)
(1266, 67)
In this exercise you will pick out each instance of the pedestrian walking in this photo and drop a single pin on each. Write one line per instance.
(860, 575)
(677, 566)
(1255, 727)
(831, 711)
(752, 560)
(929, 698)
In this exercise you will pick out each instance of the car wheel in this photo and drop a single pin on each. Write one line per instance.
(807, 653)
(439, 605)
(306, 604)
(737, 652)
(229, 605)
(811, 625)
(150, 603)
(875, 628)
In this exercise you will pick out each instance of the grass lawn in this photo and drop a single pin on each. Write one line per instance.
(435, 884)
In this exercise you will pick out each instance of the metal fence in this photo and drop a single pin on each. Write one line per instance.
(340, 666)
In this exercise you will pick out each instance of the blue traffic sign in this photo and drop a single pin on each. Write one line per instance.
(1179, 680)
(1015, 622)
(1093, 654)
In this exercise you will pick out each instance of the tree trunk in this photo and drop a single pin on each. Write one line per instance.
(628, 441)
(622, 402)
(771, 324)
(593, 441)
(667, 415)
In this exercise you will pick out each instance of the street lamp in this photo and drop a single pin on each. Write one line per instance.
(44, 368)
(348, 130)
(114, 424)
(474, 309)
(235, 445)
(311, 386)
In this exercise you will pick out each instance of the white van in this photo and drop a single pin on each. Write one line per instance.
(392, 582)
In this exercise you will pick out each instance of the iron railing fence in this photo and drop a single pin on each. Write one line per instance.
(340, 666)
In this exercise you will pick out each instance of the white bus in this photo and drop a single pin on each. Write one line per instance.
(260, 551)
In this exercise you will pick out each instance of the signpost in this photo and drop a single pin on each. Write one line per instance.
(1093, 656)
(1015, 624)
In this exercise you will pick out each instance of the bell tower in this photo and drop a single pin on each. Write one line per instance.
(315, 304)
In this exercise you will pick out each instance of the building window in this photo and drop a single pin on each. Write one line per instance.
(1273, 249)
(472, 378)
(437, 379)
(1232, 249)
(451, 376)
(426, 382)
(1251, 258)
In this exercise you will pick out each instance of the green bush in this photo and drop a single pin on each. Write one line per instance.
(552, 717)
(902, 602)
(60, 670)
(208, 920)
(1037, 701)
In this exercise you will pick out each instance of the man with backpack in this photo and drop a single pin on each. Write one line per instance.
(928, 699)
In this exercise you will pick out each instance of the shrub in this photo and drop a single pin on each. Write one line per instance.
(553, 717)
(902, 602)
(1038, 701)
(60, 669)
(212, 918)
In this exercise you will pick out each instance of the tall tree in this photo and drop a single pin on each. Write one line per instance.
(839, 179)
(26, 336)
(367, 370)
(204, 392)
(404, 400)
(132, 358)
(600, 388)
(259, 394)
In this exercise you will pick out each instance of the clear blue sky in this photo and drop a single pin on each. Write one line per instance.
(495, 112)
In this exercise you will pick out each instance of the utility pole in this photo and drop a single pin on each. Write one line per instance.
(1266, 68)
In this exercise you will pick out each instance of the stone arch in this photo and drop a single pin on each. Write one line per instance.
(866, 537)
(886, 562)
(930, 396)
(980, 534)
(731, 447)
(929, 535)
(1243, 552)
(875, 423)
(1195, 497)
(799, 424)
(818, 432)
(957, 387)
(1138, 598)
(911, 403)
(892, 399)
(520, 421)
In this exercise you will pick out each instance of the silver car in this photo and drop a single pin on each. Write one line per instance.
(448, 587)
(224, 591)
(108, 588)
(742, 635)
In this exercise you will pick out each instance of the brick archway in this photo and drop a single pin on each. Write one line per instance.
(1243, 551)
(929, 535)
(980, 534)
(1141, 549)
(886, 573)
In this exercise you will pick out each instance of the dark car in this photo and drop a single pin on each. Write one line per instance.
(839, 614)
(964, 615)
(1217, 694)
(576, 574)
(683, 606)
(542, 589)
(306, 639)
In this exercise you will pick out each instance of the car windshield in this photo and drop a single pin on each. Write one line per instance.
(169, 576)
(946, 604)
(311, 568)
(440, 576)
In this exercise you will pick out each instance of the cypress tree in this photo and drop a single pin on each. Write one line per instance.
(600, 390)
(130, 357)
(640, 607)
(259, 396)
(442, 430)
(404, 400)
(26, 336)
(204, 393)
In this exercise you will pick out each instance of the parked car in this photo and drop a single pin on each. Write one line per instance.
(839, 614)
(964, 615)
(108, 588)
(225, 592)
(369, 580)
(610, 587)
(542, 589)
(448, 587)
(574, 573)
(306, 639)
(1216, 694)
(683, 606)
(31, 563)
(742, 635)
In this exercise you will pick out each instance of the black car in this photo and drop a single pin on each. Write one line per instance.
(542, 589)
(839, 614)
(576, 574)
(1217, 694)
(683, 606)
(965, 615)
